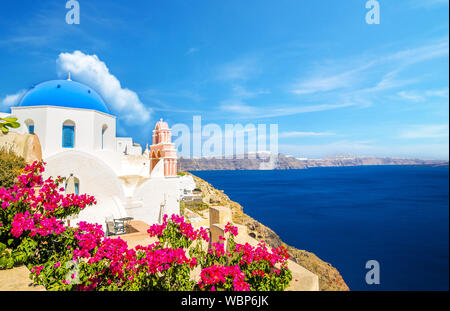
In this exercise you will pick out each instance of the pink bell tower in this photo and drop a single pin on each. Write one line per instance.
(163, 149)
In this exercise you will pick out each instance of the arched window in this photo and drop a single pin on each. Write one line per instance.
(30, 126)
(72, 185)
(77, 186)
(68, 134)
(104, 128)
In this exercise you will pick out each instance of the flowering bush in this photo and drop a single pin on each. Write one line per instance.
(239, 267)
(31, 216)
(65, 258)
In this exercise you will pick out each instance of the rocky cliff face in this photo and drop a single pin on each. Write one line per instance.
(255, 162)
(329, 277)
(360, 161)
(283, 162)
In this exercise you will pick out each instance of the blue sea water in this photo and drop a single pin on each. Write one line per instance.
(397, 215)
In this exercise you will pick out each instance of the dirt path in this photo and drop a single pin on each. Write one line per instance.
(17, 279)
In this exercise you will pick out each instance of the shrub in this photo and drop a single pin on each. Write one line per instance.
(31, 216)
(197, 206)
(182, 207)
(10, 167)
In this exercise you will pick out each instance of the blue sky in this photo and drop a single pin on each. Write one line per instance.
(331, 82)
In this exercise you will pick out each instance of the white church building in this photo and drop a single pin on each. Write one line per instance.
(77, 133)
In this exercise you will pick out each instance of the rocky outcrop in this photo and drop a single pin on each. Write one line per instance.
(261, 161)
(26, 146)
(329, 277)
(283, 162)
(361, 161)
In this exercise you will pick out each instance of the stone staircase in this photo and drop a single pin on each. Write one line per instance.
(219, 216)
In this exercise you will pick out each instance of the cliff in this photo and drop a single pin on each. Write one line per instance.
(264, 161)
(254, 162)
(329, 278)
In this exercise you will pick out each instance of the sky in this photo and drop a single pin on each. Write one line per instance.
(331, 82)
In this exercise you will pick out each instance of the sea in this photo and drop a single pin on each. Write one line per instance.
(349, 216)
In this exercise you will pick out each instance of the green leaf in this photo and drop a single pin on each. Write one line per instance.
(3, 262)
(9, 119)
(10, 263)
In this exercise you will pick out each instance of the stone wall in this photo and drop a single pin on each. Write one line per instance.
(27, 146)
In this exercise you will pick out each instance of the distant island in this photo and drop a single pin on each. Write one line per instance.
(267, 161)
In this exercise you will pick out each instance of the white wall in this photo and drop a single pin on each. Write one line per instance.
(135, 165)
(187, 184)
(39, 118)
(96, 179)
(149, 196)
(158, 170)
(125, 144)
(109, 140)
(48, 123)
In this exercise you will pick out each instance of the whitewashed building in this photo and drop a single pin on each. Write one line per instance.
(78, 138)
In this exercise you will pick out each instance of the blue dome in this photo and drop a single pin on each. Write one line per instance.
(63, 93)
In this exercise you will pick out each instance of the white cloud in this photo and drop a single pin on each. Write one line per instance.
(428, 3)
(420, 96)
(89, 69)
(425, 131)
(388, 82)
(443, 93)
(335, 79)
(251, 112)
(407, 57)
(240, 91)
(192, 50)
(304, 134)
(236, 103)
(238, 70)
(368, 148)
(326, 83)
(411, 96)
(29, 40)
(12, 100)
(237, 106)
